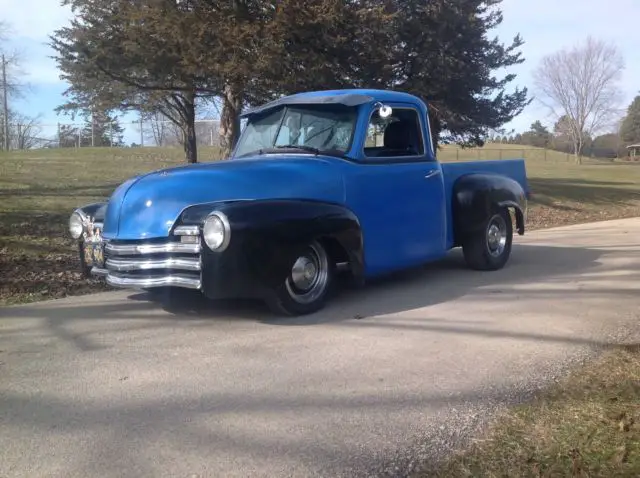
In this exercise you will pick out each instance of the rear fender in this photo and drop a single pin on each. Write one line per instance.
(476, 196)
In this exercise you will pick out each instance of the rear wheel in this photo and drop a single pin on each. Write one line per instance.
(489, 248)
(305, 289)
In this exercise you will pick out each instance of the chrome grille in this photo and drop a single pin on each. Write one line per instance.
(144, 264)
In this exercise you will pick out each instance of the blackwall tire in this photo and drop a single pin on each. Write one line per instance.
(489, 248)
(306, 288)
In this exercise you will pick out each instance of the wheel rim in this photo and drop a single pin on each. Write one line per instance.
(309, 275)
(497, 236)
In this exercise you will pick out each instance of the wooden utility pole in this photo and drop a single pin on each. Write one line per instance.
(5, 101)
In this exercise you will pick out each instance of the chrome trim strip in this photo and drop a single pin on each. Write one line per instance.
(144, 282)
(141, 249)
(186, 264)
(186, 231)
(96, 271)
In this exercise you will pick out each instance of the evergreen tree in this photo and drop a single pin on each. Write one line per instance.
(166, 56)
(102, 130)
(538, 136)
(630, 129)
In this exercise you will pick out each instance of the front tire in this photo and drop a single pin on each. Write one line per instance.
(308, 284)
(489, 248)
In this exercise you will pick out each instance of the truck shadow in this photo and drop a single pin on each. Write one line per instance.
(439, 282)
(534, 275)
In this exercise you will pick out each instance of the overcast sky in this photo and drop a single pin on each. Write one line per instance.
(545, 25)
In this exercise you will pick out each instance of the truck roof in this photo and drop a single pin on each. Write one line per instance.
(347, 97)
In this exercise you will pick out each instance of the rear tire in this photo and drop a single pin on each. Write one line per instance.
(489, 248)
(308, 284)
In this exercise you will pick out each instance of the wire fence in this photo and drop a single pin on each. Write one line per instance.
(155, 133)
(124, 133)
(491, 152)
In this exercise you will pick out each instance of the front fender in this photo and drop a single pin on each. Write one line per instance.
(266, 238)
(475, 196)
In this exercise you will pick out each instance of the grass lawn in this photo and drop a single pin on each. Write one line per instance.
(589, 425)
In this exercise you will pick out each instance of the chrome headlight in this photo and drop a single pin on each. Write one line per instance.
(76, 225)
(216, 231)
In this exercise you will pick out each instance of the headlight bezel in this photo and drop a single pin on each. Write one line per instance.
(219, 219)
(81, 221)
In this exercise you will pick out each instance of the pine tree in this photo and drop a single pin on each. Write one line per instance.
(167, 56)
(443, 53)
(102, 130)
(630, 129)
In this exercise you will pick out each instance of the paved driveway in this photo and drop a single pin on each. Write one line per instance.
(116, 385)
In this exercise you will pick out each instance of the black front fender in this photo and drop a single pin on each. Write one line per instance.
(266, 238)
(475, 196)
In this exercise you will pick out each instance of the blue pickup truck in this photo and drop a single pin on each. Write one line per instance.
(318, 183)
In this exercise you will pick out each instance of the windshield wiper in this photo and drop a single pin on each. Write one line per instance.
(303, 147)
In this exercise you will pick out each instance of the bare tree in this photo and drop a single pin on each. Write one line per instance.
(10, 82)
(25, 132)
(581, 85)
(155, 127)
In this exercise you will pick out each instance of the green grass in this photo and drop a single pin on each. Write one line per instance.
(39, 189)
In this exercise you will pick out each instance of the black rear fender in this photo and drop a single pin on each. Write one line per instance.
(476, 196)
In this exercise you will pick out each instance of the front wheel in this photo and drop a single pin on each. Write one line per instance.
(489, 248)
(305, 289)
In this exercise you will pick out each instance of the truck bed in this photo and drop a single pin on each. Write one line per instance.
(512, 168)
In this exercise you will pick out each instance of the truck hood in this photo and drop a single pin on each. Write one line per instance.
(147, 206)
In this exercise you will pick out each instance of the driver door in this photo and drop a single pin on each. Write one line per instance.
(397, 192)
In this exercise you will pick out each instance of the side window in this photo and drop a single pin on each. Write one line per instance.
(398, 135)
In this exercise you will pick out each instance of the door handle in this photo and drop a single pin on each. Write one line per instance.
(433, 173)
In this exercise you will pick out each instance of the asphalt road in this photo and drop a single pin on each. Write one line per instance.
(116, 385)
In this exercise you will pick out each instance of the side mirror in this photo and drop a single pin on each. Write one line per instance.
(384, 110)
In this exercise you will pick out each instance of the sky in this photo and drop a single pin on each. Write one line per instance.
(551, 25)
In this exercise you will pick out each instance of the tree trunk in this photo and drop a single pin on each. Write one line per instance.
(190, 144)
(229, 119)
(577, 148)
(189, 130)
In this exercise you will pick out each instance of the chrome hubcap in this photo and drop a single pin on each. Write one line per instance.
(497, 235)
(303, 273)
(309, 275)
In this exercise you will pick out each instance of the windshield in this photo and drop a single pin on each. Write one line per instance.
(314, 128)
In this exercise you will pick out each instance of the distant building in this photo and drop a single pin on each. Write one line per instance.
(634, 152)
